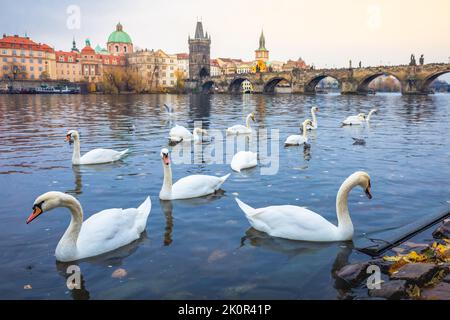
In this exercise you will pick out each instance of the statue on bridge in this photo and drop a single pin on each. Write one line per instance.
(421, 60)
(360, 65)
(412, 61)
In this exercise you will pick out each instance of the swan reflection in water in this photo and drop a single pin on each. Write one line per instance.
(78, 188)
(167, 208)
(113, 258)
(307, 252)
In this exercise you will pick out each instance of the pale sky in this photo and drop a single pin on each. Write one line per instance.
(324, 32)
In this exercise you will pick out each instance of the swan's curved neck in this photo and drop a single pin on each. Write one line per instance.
(167, 184)
(76, 151)
(195, 134)
(304, 129)
(70, 237)
(314, 119)
(370, 114)
(345, 224)
(247, 121)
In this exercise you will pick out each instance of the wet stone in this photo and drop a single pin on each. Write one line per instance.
(443, 231)
(395, 289)
(353, 274)
(417, 273)
(446, 279)
(441, 291)
(383, 264)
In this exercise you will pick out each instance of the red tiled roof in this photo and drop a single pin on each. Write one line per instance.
(182, 56)
(16, 42)
(65, 55)
(110, 59)
(88, 50)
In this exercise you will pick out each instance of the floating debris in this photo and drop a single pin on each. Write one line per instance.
(216, 255)
(359, 142)
(27, 287)
(119, 273)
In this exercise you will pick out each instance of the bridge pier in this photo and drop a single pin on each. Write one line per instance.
(349, 86)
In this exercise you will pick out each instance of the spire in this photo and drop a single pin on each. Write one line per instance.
(119, 27)
(199, 31)
(262, 41)
(74, 45)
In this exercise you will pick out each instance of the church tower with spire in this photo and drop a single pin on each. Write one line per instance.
(199, 53)
(262, 54)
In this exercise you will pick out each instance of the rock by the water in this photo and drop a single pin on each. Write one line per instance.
(395, 289)
(383, 264)
(417, 273)
(441, 291)
(446, 279)
(443, 231)
(353, 274)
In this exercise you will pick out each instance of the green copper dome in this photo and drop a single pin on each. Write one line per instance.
(119, 36)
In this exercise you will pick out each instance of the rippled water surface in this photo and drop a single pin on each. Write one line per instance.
(204, 248)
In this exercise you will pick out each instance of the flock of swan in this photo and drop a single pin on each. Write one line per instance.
(111, 229)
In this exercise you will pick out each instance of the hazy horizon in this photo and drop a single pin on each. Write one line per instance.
(324, 33)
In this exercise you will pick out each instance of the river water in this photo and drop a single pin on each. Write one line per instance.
(204, 248)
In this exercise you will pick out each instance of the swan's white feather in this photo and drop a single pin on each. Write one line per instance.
(244, 160)
(353, 120)
(179, 133)
(194, 186)
(290, 222)
(239, 129)
(98, 156)
(295, 140)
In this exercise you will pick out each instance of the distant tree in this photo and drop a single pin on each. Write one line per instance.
(113, 80)
(181, 77)
(44, 75)
(116, 80)
(134, 80)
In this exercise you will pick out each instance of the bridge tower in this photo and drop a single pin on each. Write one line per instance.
(199, 54)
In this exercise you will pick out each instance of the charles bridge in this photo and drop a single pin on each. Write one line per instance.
(414, 79)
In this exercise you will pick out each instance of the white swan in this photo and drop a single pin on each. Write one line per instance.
(354, 120)
(299, 223)
(192, 186)
(244, 160)
(240, 129)
(314, 119)
(180, 133)
(370, 114)
(104, 231)
(96, 156)
(296, 139)
(169, 109)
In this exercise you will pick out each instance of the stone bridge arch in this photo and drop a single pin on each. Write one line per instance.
(269, 85)
(428, 80)
(236, 84)
(363, 84)
(311, 83)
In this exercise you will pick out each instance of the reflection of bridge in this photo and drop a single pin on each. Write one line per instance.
(413, 79)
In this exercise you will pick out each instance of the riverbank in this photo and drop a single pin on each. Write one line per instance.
(416, 271)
